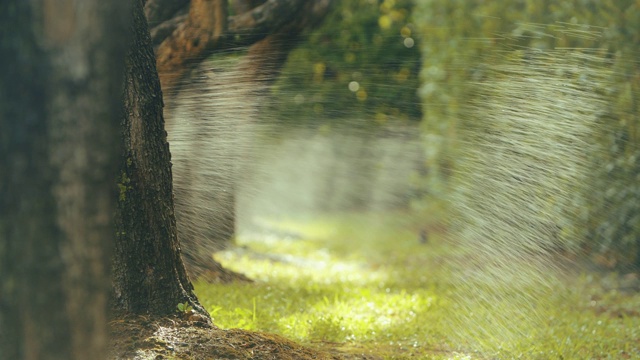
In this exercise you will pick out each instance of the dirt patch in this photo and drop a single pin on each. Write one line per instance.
(144, 338)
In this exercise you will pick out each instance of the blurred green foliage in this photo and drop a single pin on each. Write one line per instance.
(361, 60)
(458, 36)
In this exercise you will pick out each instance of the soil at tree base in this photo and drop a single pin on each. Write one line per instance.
(185, 337)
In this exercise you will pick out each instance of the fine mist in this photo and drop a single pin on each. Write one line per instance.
(310, 172)
(238, 166)
(211, 124)
(514, 189)
(525, 164)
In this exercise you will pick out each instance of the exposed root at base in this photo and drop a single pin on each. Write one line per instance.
(146, 338)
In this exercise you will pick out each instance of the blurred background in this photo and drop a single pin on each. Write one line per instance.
(485, 150)
(377, 109)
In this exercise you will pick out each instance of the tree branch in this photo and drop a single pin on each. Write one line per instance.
(202, 30)
(269, 16)
(265, 58)
(160, 11)
(184, 40)
(243, 29)
(242, 6)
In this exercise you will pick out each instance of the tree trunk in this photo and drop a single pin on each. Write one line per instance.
(149, 276)
(60, 82)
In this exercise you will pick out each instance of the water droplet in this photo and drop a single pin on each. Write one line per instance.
(409, 42)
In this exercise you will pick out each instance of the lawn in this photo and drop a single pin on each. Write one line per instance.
(365, 284)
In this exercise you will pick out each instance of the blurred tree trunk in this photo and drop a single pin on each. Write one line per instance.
(60, 89)
(186, 33)
(148, 274)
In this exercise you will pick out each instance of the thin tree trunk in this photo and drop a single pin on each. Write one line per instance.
(60, 82)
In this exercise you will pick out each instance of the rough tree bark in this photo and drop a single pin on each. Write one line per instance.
(60, 81)
(148, 274)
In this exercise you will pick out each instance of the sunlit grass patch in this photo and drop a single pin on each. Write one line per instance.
(322, 312)
(331, 289)
(370, 286)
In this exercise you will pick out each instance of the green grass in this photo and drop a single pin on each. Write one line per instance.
(364, 284)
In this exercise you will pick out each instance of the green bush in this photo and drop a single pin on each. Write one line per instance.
(361, 60)
(460, 38)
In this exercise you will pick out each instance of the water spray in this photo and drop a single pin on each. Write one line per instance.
(521, 189)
